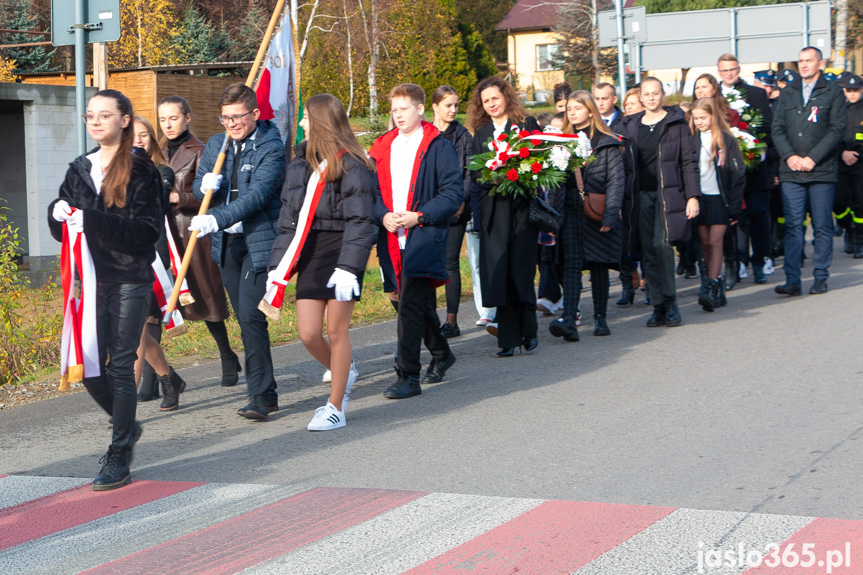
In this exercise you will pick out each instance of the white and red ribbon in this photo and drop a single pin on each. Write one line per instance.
(813, 114)
(163, 286)
(275, 294)
(79, 347)
(176, 261)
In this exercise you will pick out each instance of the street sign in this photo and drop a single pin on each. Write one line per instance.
(102, 21)
(634, 26)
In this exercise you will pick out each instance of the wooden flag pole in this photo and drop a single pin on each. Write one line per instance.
(220, 161)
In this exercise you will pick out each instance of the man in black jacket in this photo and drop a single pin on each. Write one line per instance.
(606, 101)
(810, 122)
(755, 225)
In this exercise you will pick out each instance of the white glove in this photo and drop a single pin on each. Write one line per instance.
(210, 181)
(204, 224)
(272, 277)
(75, 222)
(345, 283)
(62, 211)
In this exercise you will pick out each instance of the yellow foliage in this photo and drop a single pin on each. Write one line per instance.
(147, 26)
(7, 70)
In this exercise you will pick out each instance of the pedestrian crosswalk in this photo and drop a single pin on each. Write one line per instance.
(58, 525)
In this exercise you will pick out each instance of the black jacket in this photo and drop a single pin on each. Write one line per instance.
(616, 124)
(121, 240)
(605, 175)
(794, 133)
(731, 177)
(462, 141)
(678, 174)
(347, 205)
(853, 139)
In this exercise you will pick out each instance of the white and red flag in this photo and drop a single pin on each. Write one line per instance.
(277, 87)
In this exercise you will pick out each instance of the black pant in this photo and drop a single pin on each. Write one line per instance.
(657, 256)
(121, 311)
(550, 273)
(418, 322)
(454, 240)
(245, 290)
(571, 241)
(599, 287)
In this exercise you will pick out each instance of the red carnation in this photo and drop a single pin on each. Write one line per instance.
(535, 132)
(536, 142)
(523, 153)
(523, 134)
(502, 137)
(744, 126)
(536, 167)
(502, 157)
(512, 175)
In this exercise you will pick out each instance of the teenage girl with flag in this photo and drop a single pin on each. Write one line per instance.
(326, 232)
(111, 202)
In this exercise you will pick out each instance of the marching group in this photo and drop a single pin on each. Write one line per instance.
(666, 177)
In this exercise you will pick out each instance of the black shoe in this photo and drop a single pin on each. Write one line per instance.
(449, 330)
(600, 326)
(658, 317)
(627, 294)
(564, 327)
(170, 393)
(690, 274)
(258, 408)
(819, 287)
(404, 387)
(231, 369)
(705, 296)
(672, 314)
(758, 275)
(530, 343)
(149, 385)
(437, 370)
(681, 267)
(788, 289)
(115, 470)
(506, 352)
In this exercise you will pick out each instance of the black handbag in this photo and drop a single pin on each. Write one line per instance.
(542, 216)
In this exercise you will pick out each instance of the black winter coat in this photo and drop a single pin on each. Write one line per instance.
(605, 175)
(347, 205)
(507, 248)
(262, 173)
(678, 175)
(731, 176)
(462, 141)
(795, 134)
(121, 240)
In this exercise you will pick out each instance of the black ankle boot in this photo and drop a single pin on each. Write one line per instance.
(115, 470)
(658, 317)
(170, 394)
(149, 385)
(672, 314)
(627, 294)
(600, 326)
(564, 327)
(231, 369)
(705, 296)
(702, 269)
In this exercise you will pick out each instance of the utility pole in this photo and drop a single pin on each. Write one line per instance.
(841, 34)
(621, 57)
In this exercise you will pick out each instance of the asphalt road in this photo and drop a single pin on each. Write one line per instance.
(757, 407)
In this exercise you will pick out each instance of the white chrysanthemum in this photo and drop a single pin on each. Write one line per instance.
(583, 150)
(738, 105)
(523, 168)
(734, 93)
(535, 177)
(559, 157)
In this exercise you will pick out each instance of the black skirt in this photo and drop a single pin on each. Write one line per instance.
(712, 211)
(317, 263)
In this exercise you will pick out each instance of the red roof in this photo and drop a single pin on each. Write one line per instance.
(531, 15)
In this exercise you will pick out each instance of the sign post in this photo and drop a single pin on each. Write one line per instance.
(81, 23)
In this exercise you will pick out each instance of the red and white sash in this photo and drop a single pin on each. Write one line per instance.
(275, 295)
(176, 261)
(163, 285)
(79, 348)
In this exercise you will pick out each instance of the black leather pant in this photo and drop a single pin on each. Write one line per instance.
(121, 310)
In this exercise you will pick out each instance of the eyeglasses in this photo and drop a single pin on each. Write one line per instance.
(225, 120)
(729, 70)
(101, 116)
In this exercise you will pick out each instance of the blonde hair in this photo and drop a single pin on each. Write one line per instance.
(718, 126)
(597, 124)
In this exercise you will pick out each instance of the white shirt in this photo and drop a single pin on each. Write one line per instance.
(96, 173)
(238, 227)
(706, 167)
(811, 88)
(403, 154)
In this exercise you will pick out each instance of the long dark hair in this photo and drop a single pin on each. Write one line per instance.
(476, 114)
(185, 109)
(331, 136)
(720, 100)
(114, 186)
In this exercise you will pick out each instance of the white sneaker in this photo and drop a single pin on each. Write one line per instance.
(742, 271)
(327, 418)
(484, 321)
(558, 305)
(768, 268)
(545, 305)
(328, 375)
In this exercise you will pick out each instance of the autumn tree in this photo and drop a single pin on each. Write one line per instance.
(146, 26)
(7, 70)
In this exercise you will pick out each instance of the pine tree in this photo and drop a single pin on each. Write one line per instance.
(16, 15)
(250, 32)
(193, 40)
(145, 26)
